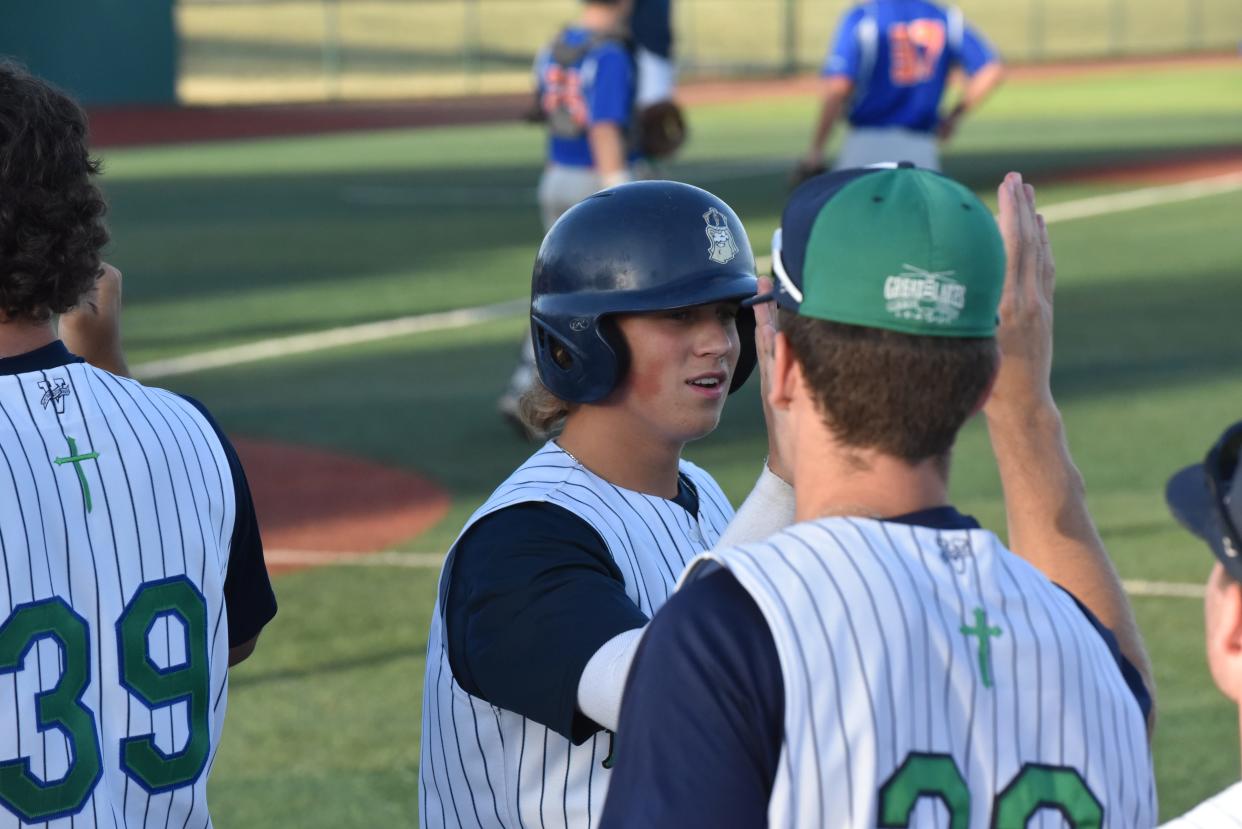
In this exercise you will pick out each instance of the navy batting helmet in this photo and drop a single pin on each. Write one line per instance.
(644, 246)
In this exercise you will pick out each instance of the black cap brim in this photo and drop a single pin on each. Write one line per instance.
(1189, 500)
(1191, 503)
(759, 299)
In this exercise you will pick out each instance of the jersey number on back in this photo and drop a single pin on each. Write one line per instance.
(62, 708)
(1036, 787)
(915, 47)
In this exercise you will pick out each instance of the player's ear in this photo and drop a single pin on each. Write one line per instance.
(987, 392)
(1223, 621)
(786, 373)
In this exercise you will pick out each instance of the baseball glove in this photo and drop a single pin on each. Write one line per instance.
(803, 171)
(661, 130)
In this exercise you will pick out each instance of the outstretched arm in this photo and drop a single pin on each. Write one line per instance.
(92, 330)
(608, 153)
(1045, 499)
(837, 90)
(978, 87)
(770, 506)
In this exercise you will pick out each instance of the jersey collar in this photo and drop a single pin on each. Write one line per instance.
(52, 355)
(937, 518)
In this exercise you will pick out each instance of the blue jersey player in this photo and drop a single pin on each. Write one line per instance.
(887, 71)
(586, 83)
(651, 26)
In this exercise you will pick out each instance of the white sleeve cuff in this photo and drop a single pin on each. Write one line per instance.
(603, 679)
(768, 509)
(657, 76)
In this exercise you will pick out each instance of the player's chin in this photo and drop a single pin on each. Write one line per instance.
(701, 423)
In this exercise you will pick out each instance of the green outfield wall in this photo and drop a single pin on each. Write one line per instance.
(106, 52)
(257, 50)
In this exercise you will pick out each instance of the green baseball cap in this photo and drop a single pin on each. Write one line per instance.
(890, 246)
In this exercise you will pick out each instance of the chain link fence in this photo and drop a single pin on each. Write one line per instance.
(283, 50)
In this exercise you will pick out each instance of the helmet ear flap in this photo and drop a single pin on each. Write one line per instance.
(747, 357)
(614, 340)
(578, 366)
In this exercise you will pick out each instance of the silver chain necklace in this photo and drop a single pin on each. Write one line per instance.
(567, 452)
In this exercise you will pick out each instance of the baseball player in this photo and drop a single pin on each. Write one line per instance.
(1204, 498)
(635, 316)
(586, 84)
(889, 65)
(133, 568)
(651, 25)
(886, 661)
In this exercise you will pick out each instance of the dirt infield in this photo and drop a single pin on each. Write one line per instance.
(1188, 168)
(311, 499)
(130, 126)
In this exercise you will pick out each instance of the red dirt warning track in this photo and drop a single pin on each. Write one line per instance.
(124, 126)
(311, 499)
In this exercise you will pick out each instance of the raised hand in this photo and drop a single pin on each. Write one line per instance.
(1025, 332)
(765, 347)
(92, 329)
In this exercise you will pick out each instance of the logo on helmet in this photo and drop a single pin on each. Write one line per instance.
(579, 324)
(721, 247)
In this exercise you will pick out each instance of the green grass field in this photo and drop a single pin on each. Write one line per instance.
(235, 242)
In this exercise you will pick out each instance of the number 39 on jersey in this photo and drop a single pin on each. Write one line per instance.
(161, 646)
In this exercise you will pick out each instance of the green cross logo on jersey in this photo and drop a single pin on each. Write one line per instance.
(76, 459)
(985, 635)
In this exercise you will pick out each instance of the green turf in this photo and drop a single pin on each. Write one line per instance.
(454, 222)
(239, 241)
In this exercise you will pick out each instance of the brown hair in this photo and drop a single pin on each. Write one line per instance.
(51, 213)
(542, 412)
(904, 395)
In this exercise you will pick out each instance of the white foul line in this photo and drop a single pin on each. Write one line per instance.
(331, 338)
(1144, 197)
(316, 558)
(1164, 589)
(429, 561)
(445, 320)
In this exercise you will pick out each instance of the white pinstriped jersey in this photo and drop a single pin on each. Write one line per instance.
(927, 667)
(488, 767)
(1221, 811)
(116, 513)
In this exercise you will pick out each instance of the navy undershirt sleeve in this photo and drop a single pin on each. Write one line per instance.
(532, 593)
(1134, 680)
(702, 719)
(651, 24)
(248, 597)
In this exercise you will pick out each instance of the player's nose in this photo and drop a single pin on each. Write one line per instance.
(716, 332)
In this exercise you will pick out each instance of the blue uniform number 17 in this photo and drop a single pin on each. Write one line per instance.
(1036, 787)
(62, 709)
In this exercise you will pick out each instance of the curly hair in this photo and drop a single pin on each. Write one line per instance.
(51, 212)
